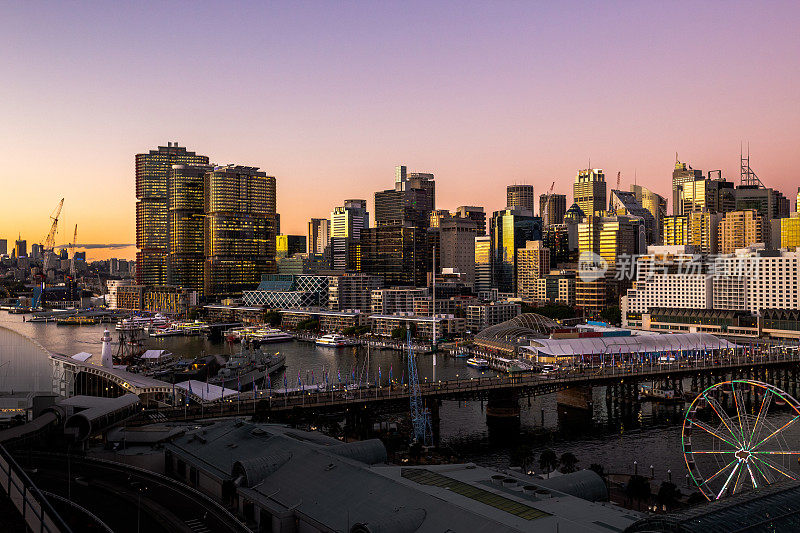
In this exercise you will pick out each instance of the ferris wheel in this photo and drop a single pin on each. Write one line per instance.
(739, 435)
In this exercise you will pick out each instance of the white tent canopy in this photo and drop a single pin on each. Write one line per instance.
(155, 355)
(674, 343)
(82, 357)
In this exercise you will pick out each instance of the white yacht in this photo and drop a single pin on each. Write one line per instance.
(333, 339)
(478, 363)
(136, 323)
(274, 335)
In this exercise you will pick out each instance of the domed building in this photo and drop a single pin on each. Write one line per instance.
(508, 336)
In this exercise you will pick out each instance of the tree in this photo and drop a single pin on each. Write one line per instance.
(598, 468)
(548, 461)
(349, 331)
(612, 315)
(638, 488)
(399, 333)
(568, 462)
(273, 318)
(668, 495)
(521, 456)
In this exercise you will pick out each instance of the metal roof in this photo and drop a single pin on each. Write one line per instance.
(633, 344)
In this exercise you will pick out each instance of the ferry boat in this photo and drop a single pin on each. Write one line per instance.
(136, 323)
(334, 340)
(274, 336)
(478, 363)
(77, 321)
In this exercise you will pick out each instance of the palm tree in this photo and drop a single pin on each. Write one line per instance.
(568, 462)
(548, 461)
(668, 495)
(638, 488)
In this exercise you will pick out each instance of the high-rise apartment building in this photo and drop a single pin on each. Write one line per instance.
(510, 230)
(589, 191)
(533, 263)
(153, 170)
(703, 231)
(740, 229)
(656, 204)
(319, 235)
(239, 229)
(3, 247)
(681, 174)
(352, 291)
(186, 213)
(552, 208)
(520, 197)
(397, 253)
(790, 232)
(483, 263)
(676, 230)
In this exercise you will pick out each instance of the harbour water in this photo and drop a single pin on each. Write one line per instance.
(651, 435)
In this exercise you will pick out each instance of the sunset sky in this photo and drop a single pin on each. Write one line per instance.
(330, 96)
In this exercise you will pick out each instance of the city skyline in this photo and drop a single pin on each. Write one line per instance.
(334, 116)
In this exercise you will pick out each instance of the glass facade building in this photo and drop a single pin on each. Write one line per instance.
(520, 197)
(153, 171)
(589, 191)
(510, 230)
(185, 217)
(239, 229)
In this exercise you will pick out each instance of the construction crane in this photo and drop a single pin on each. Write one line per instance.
(74, 240)
(547, 203)
(619, 177)
(50, 241)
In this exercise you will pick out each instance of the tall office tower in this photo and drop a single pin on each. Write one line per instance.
(319, 235)
(715, 195)
(239, 229)
(740, 229)
(520, 197)
(533, 264)
(790, 232)
(616, 240)
(37, 252)
(348, 220)
(288, 245)
(396, 253)
(656, 204)
(552, 208)
(457, 246)
(21, 247)
(352, 291)
(152, 208)
(676, 230)
(589, 191)
(439, 215)
(703, 231)
(510, 230)
(624, 203)
(478, 215)
(681, 174)
(3, 247)
(797, 202)
(186, 212)
(483, 263)
(411, 200)
(768, 202)
(562, 241)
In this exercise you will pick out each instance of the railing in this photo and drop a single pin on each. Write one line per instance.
(35, 509)
(246, 402)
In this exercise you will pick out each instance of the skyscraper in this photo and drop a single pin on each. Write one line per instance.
(478, 215)
(681, 174)
(520, 197)
(348, 220)
(21, 247)
(3, 247)
(624, 203)
(239, 229)
(552, 208)
(511, 229)
(656, 204)
(707, 194)
(186, 214)
(740, 229)
(411, 200)
(319, 235)
(589, 191)
(457, 246)
(288, 245)
(152, 208)
(483, 263)
(533, 263)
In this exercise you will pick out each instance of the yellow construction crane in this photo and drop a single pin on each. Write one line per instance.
(50, 241)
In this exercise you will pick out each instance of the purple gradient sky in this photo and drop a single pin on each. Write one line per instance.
(328, 97)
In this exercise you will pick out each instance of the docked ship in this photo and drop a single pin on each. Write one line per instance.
(274, 335)
(333, 339)
(247, 367)
(136, 323)
(478, 363)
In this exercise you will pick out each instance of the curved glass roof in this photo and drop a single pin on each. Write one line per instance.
(509, 334)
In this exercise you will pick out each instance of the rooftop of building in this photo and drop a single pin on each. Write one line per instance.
(676, 342)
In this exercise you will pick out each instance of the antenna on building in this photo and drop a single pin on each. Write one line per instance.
(746, 175)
